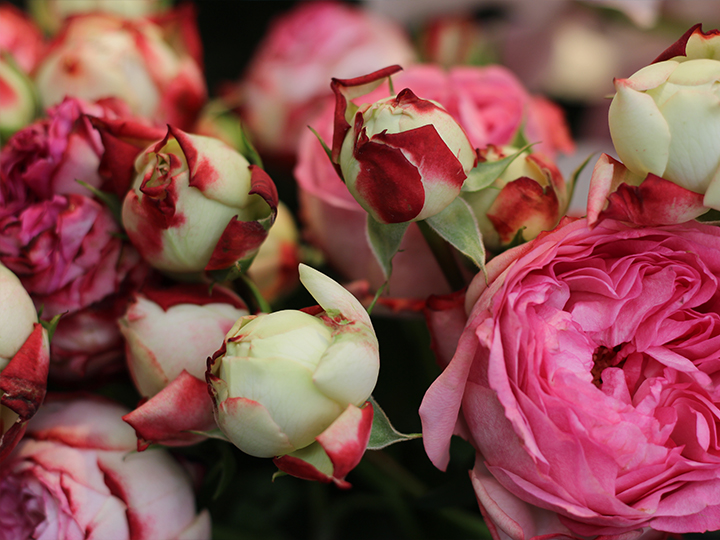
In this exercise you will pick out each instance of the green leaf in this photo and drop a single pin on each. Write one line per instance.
(110, 200)
(458, 226)
(383, 434)
(50, 325)
(520, 139)
(486, 172)
(385, 241)
(575, 175)
(250, 153)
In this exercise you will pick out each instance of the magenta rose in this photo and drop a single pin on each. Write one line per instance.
(48, 157)
(290, 73)
(75, 475)
(587, 380)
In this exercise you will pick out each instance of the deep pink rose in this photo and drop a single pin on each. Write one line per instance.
(290, 73)
(48, 157)
(587, 380)
(20, 37)
(169, 334)
(75, 475)
(98, 55)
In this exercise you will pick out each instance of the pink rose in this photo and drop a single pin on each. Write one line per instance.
(20, 37)
(98, 55)
(49, 156)
(24, 358)
(196, 204)
(586, 378)
(290, 74)
(334, 222)
(169, 335)
(75, 475)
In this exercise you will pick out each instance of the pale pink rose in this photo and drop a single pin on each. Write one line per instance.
(50, 155)
(76, 475)
(169, 335)
(586, 378)
(98, 56)
(24, 358)
(290, 73)
(334, 222)
(196, 204)
(20, 37)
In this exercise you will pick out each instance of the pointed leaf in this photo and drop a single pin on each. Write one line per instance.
(486, 172)
(385, 241)
(383, 433)
(520, 139)
(458, 226)
(249, 150)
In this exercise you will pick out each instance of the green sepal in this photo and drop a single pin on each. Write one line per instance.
(51, 325)
(385, 239)
(249, 150)
(383, 433)
(457, 225)
(110, 200)
(225, 469)
(520, 139)
(486, 172)
(212, 434)
(325, 146)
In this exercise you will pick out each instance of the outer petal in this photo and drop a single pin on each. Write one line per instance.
(167, 418)
(332, 296)
(445, 317)
(638, 130)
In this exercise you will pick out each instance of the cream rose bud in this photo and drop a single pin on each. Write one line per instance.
(664, 119)
(24, 360)
(530, 195)
(282, 379)
(196, 204)
(403, 158)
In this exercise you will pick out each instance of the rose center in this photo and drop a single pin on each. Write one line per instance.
(21, 506)
(604, 357)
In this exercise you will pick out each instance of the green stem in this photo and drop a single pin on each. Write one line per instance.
(256, 297)
(443, 253)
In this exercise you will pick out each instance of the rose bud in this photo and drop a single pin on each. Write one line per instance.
(529, 197)
(75, 475)
(662, 116)
(50, 14)
(169, 334)
(20, 37)
(282, 380)
(24, 358)
(286, 79)
(403, 158)
(18, 102)
(196, 204)
(98, 55)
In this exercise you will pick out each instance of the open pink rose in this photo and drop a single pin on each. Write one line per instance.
(290, 73)
(76, 475)
(98, 55)
(48, 157)
(169, 335)
(587, 380)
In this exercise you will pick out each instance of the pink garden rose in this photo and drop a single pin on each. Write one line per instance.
(196, 204)
(20, 37)
(99, 55)
(169, 335)
(289, 75)
(586, 378)
(75, 475)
